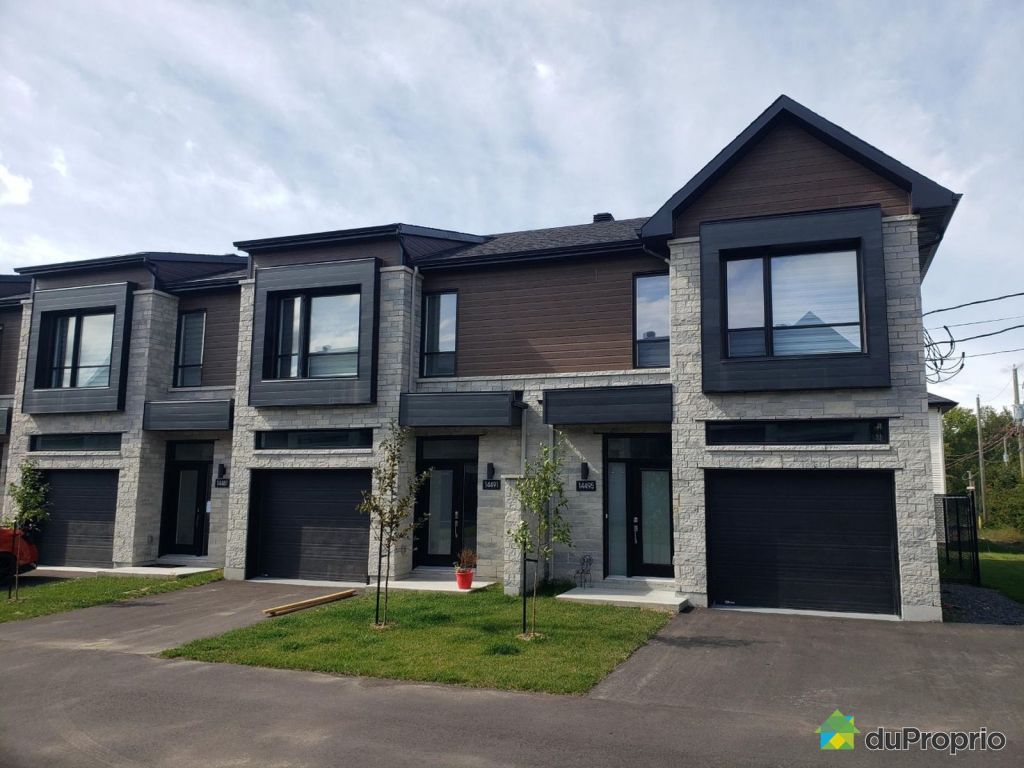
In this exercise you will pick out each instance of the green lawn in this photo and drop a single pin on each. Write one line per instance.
(444, 638)
(69, 594)
(1002, 561)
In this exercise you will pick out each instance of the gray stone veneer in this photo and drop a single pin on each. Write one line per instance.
(140, 462)
(905, 404)
(397, 325)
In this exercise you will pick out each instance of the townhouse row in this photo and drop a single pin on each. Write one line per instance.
(738, 379)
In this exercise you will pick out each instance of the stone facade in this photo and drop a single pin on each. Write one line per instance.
(399, 300)
(140, 462)
(904, 403)
(505, 449)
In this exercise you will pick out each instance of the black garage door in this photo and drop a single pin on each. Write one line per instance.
(822, 540)
(305, 524)
(80, 529)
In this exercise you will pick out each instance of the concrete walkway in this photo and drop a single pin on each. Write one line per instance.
(714, 689)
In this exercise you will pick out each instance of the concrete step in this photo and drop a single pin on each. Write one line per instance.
(657, 599)
(637, 584)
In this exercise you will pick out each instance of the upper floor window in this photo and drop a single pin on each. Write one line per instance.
(650, 321)
(188, 360)
(439, 334)
(77, 349)
(788, 305)
(316, 335)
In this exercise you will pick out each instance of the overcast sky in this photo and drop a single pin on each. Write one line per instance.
(128, 126)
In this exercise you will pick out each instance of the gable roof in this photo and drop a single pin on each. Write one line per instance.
(931, 200)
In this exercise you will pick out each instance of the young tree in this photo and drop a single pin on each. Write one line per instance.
(30, 510)
(389, 505)
(542, 500)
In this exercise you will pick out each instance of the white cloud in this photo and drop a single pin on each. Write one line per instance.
(59, 163)
(32, 250)
(14, 189)
(484, 117)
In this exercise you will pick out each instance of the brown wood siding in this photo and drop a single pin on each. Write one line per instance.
(10, 335)
(388, 251)
(556, 317)
(220, 347)
(789, 171)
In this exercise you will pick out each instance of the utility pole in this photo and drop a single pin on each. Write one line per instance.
(1020, 437)
(981, 464)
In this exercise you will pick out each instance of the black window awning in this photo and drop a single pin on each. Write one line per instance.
(461, 409)
(648, 403)
(179, 415)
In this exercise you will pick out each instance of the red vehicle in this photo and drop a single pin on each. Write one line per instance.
(15, 554)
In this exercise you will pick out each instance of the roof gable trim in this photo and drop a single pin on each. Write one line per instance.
(925, 193)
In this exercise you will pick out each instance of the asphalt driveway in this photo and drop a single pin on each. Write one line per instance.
(153, 624)
(714, 689)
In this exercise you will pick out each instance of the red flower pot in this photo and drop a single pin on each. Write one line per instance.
(464, 579)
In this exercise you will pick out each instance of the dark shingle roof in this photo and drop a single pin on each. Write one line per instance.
(940, 402)
(579, 236)
(219, 280)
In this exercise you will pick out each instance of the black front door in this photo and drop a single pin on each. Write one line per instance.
(446, 506)
(638, 506)
(185, 522)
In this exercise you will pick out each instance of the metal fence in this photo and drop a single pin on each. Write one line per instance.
(958, 548)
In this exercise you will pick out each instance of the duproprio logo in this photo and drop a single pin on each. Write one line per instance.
(837, 732)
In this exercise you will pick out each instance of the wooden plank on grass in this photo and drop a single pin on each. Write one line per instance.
(302, 604)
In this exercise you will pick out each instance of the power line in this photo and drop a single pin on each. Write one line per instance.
(972, 303)
(973, 454)
(999, 352)
(975, 322)
(979, 336)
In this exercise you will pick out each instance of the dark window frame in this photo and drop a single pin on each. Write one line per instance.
(637, 342)
(272, 354)
(260, 439)
(765, 255)
(179, 367)
(49, 326)
(871, 424)
(35, 441)
(820, 230)
(423, 337)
